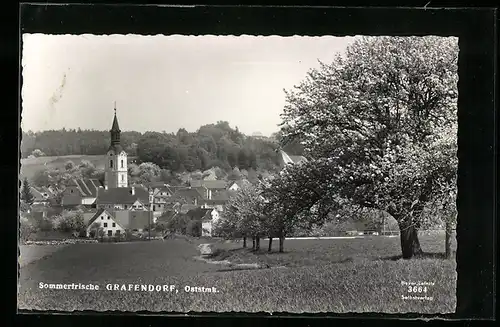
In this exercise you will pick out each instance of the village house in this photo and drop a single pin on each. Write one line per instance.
(115, 223)
(161, 196)
(122, 198)
(81, 191)
(237, 185)
(40, 198)
(286, 159)
(209, 187)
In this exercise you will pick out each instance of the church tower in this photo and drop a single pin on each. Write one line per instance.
(116, 160)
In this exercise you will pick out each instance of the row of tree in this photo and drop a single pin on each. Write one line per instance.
(213, 145)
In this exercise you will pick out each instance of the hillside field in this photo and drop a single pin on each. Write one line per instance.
(30, 166)
(342, 275)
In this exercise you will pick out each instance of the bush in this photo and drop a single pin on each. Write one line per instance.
(44, 225)
(193, 228)
(70, 222)
(26, 229)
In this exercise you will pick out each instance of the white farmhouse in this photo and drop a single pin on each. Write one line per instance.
(103, 219)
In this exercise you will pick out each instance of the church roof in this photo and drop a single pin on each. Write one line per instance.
(122, 195)
(115, 126)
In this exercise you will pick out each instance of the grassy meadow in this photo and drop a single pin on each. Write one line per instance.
(29, 166)
(339, 275)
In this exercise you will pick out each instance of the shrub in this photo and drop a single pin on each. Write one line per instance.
(70, 222)
(26, 229)
(193, 228)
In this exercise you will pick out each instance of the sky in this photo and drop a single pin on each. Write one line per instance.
(163, 83)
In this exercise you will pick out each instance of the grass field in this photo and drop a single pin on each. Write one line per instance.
(319, 276)
(30, 166)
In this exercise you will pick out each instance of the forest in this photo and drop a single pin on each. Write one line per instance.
(212, 145)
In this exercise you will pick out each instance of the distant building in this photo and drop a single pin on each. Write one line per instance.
(115, 223)
(81, 191)
(237, 185)
(209, 188)
(259, 135)
(123, 198)
(104, 221)
(286, 159)
(40, 198)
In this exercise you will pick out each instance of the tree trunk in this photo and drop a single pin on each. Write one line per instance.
(269, 248)
(410, 245)
(282, 241)
(244, 242)
(253, 243)
(257, 244)
(447, 244)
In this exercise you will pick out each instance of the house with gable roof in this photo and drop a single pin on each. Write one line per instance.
(208, 187)
(286, 159)
(123, 198)
(237, 185)
(103, 219)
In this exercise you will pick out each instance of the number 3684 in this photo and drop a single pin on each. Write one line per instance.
(417, 289)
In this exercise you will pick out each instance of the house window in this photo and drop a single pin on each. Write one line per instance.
(110, 233)
(154, 208)
(117, 232)
(105, 224)
(71, 191)
(122, 163)
(123, 178)
(126, 206)
(102, 218)
(114, 224)
(108, 217)
(111, 163)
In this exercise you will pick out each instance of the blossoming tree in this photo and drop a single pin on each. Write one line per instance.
(380, 122)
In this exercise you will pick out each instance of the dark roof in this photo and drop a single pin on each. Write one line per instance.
(197, 213)
(155, 184)
(220, 196)
(209, 184)
(186, 193)
(139, 219)
(167, 216)
(185, 208)
(94, 217)
(37, 195)
(87, 186)
(122, 195)
(115, 127)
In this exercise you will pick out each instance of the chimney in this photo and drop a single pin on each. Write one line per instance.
(132, 191)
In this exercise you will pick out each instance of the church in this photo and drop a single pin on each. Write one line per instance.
(113, 193)
(116, 194)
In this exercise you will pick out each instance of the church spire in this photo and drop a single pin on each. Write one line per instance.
(115, 131)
